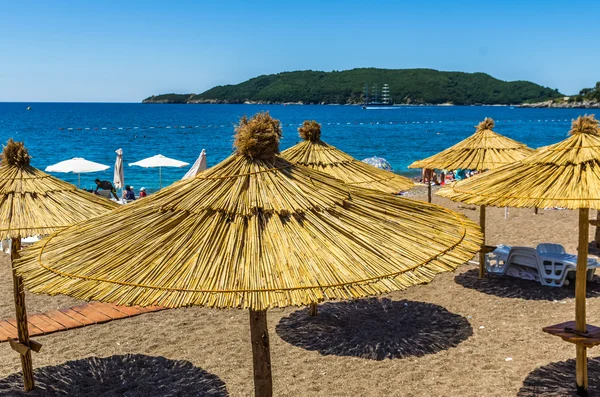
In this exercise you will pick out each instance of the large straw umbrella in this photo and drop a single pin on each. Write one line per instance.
(314, 153)
(35, 203)
(484, 150)
(253, 232)
(566, 174)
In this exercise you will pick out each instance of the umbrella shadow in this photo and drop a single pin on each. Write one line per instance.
(511, 287)
(558, 380)
(132, 375)
(375, 329)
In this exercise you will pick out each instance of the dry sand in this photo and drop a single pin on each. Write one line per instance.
(458, 336)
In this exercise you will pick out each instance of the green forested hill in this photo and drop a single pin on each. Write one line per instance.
(346, 87)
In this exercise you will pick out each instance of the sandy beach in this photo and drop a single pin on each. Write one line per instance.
(458, 336)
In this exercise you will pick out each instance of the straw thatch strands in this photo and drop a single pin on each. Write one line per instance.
(253, 232)
(31, 203)
(314, 153)
(566, 174)
(484, 150)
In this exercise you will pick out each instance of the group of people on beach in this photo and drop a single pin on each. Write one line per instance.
(128, 192)
(430, 176)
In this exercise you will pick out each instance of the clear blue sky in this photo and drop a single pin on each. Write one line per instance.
(126, 50)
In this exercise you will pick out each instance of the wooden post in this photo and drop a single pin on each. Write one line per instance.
(597, 233)
(535, 210)
(429, 191)
(21, 314)
(580, 286)
(259, 335)
(482, 252)
(312, 310)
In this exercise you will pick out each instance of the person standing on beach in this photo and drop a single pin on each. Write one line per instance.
(106, 185)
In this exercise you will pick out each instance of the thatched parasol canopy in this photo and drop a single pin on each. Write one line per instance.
(566, 174)
(484, 150)
(33, 202)
(314, 153)
(255, 231)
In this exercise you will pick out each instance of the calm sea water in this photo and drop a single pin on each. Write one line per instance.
(58, 131)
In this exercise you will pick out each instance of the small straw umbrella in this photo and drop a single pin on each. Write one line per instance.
(198, 167)
(566, 174)
(484, 150)
(77, 165)
(159, 161)
(253, 232)
(314, 153)
(119, 175)
(35, 203)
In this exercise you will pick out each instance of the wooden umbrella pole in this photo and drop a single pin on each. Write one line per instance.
(21, 314)
(259, 335)
(482, 252)
(597, 231)
(580, 286)
(430, 174)
(312, 309)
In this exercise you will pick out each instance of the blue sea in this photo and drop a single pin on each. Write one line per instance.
(58, 131)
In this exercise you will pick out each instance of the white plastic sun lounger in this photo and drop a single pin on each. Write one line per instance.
(5, 244)
(548, 263)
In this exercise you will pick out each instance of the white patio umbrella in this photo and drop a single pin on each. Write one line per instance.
(198, 167)
(379, 162)
(119, 176)
(159, 161)
(77, 165)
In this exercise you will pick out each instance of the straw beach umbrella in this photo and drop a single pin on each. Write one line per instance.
(484, 150)
(566, 174)
(253, 232)
(35, 203)
(314, 153)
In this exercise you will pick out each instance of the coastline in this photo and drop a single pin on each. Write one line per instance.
(396, 105)
(562, 105)
(537, 105)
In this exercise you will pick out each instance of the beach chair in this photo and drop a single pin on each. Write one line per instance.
(5, 244)
(548, 264)
(104, 193)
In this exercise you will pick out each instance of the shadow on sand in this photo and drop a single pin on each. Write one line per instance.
(375, 329)
(558, 380)
(132, 375)
(511, 287)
